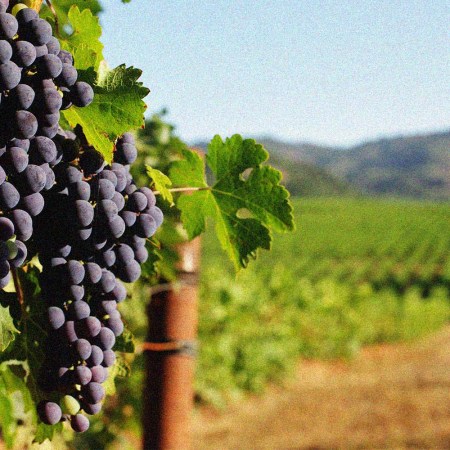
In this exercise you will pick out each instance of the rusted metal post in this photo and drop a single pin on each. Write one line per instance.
(170, 357)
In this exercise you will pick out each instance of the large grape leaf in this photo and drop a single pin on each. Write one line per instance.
(116, 109)
(8, 330)
(246, 199)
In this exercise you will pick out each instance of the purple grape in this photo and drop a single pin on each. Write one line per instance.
(50, 413)
(79, 423)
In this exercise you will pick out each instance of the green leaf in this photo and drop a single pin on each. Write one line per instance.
(161, 183)
(62, 8)
(246, 200)
(8, 330)
(16, 406)
(84, 37)
(116, 109)
(125, 342)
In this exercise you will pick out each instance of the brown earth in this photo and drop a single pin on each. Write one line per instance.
(390, 397)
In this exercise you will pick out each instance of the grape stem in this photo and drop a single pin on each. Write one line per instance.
(18, 287)
(185, 189)
(52, 9)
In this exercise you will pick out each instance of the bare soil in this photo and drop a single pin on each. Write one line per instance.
(390, 397)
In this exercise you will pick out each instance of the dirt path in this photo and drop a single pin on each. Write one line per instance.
(390, 397)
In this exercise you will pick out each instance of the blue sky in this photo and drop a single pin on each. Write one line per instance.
(330, 72)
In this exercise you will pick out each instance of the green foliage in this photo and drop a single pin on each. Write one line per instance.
(246, 200)
(161, 183)
(358, 272)
(7, 328)
(84, 39)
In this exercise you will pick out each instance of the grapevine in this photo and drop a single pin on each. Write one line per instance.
(74, 226)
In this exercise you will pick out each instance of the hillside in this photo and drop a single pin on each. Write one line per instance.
(309, 180)
(413, 166)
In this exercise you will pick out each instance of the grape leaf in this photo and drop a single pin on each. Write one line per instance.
(85, 34)
(116, 109)
(8, 330)
(16, 406)
(125, 342)
(62, 8)
(161, 183)
(246, 200)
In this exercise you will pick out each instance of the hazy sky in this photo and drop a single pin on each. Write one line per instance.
(332, 72)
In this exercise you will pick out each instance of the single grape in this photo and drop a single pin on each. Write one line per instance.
(81, 94)
(33, 179)
(79, 310)
(6, 229)
(69, 405)
(25, 124)
(96, 357)
(145, 226)
(109, 358)
(105, 339)
(137, 202)
(21, 256)
(49, 66)
(93, 392)
(53, 46)
(82, 375)
(141, 255)
(26, 15)
(56, 317)
(82, 348)
(24, 53)
(79, 423)
(10, 75)
(124, 254)
(38, 31)
(75, 272)
(68, 76)
(42, 150)
(4, 268)
(22, 96)
(115, 324)
(8, 25)
(88, 328)
(33, 204)
(91, 409)
(99, 374)
(49, 412)
(5, 51)
(9, 196)
(116, 227)
(84, 212)
(23, 224)
(130, 272)
(93, 273)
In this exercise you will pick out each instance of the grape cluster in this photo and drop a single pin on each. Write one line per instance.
(37, 80)
(99, 222)
(86, 220)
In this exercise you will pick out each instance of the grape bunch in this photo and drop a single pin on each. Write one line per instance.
(87, 221)
(99, 222)
(37, 80)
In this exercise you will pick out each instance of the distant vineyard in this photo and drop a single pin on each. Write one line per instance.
(356, 272)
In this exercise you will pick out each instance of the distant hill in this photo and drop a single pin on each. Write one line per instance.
(413, 166)
(309, 180)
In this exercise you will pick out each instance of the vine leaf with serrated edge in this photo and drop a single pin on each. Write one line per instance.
(117, 108)
(161, 183)
(246, 200)
(8, 330)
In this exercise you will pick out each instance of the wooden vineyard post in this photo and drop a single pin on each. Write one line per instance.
(170, 357)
